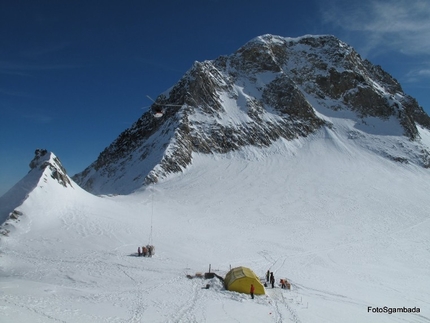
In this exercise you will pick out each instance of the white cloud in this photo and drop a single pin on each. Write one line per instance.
(424, 72)
(418, 75)
(401, 25)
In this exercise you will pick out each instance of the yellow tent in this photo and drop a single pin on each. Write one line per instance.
(239, 279)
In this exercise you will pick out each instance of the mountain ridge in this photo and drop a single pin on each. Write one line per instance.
(270, 88)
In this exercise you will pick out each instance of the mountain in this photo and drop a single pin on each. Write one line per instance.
(332, 197)
(272, 87)
(45, 168)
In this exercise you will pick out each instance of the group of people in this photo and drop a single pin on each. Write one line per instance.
(146, 251)
(270, 278)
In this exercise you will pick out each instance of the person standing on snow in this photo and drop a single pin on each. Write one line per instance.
(252, 291)
(272, 279)
(268, 275)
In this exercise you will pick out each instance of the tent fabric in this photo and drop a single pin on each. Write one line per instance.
(239, 279)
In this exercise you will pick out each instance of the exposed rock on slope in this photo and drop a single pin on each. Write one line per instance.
(271, 88)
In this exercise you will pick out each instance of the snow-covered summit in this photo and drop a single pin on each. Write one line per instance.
(44, 159)
(47, 162)
(272, 87)
(46, 174)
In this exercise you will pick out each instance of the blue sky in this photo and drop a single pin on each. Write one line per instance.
(75, 74)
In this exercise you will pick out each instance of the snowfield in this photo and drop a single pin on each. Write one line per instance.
(348, 228)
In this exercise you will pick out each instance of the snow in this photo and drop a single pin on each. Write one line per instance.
(347, 227)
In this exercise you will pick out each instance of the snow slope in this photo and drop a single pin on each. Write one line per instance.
(347, 227)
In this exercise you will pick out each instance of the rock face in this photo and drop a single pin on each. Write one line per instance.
(271, 88)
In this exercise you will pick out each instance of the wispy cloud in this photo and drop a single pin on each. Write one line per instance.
(15, 93)
(400, 25)
(39, 118)
(25, 69)
(418, 74)
(33, 115)
(46, 50)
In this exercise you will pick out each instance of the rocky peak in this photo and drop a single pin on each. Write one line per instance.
(40, 157)
(45, 160)
(270, 88)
